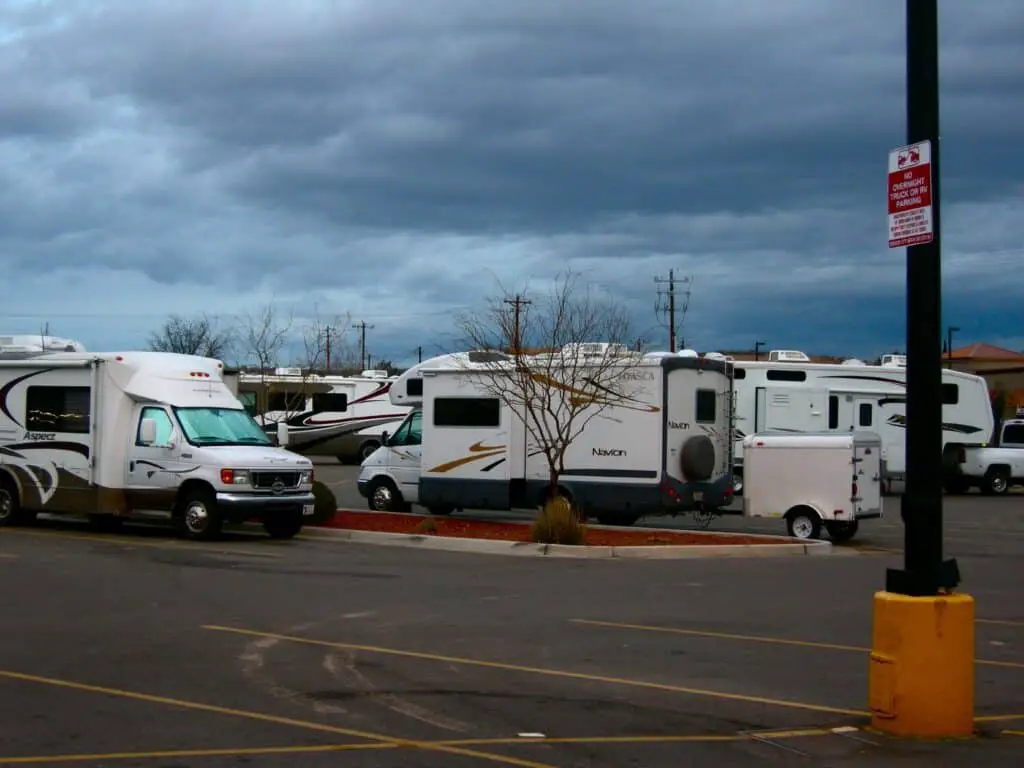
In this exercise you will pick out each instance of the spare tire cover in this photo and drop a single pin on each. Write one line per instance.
(697, 459)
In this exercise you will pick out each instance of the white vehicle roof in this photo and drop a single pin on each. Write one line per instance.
(807, 439)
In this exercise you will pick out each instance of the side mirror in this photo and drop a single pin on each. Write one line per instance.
(384, 437)
(147, 432)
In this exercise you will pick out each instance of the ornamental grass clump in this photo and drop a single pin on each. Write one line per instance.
(558, 523)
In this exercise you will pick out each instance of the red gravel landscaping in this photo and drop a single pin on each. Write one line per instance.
(460, 527)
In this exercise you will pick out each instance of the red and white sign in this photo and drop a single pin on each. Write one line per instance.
(910, 195)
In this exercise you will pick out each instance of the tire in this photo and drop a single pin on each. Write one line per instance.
(383, 496)
(697, 458)
(737, 482)
(841, 531)
(367, 449)
(199, 518)
(803, 523)
(996, 481)
(283, 525)
(11, 511)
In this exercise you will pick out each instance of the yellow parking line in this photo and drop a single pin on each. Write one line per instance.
(547, 671)
(998, 718)
(180, 753)
(1000, 622)
(759, 639)
(138, 542)
(213, 708)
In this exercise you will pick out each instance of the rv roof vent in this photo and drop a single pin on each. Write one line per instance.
(375, 374)
(788, 356)
(687, 353)
(287, 371)
(595, 349)
(40, 343)
(715, 356)
(894, 361)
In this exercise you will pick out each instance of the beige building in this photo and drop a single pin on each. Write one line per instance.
(1002, 368)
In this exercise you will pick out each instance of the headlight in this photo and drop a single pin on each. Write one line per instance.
(306, 477)
(235, 477)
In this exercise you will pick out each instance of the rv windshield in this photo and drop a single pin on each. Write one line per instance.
(220, 426)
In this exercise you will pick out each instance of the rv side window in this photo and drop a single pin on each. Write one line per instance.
(786, 375)
(414, 387)
(707, 402)
(58, 409)
(950, 394)
(833, 412)
(330, 401)
(739, 373)
(286, 401)
(865, 414)
(467, 412)
(164, 425)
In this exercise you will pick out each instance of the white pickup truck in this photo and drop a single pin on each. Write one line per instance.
(992, 468)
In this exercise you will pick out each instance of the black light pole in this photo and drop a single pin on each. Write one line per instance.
(925, 572)
(757, 349)
(950, 330)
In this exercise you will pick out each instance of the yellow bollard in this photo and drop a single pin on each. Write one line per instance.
(921, 675)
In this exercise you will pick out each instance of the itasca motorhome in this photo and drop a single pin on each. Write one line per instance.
(660, 447)
(789, 394)
(148, 434)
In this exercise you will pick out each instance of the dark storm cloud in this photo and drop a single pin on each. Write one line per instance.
(407, 155)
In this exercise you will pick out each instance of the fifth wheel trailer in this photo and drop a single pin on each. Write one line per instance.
(800, 396)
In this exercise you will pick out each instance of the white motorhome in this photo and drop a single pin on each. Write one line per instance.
(140, 434)
(663, 449)
(780, 396)
(341, 416)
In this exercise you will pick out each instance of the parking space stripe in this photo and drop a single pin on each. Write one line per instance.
(267, 718)
(759, 639)
(1000, 622)
(998, 718)
(548, 671)
(180, 753)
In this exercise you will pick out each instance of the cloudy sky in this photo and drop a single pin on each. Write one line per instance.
(400, 161)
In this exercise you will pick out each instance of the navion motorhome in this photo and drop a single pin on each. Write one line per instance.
(799, 396)
(341, 416)
(113, 435)
(661, 446)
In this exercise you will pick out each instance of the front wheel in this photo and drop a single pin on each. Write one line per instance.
(11, 511)
(384, 497)
(200, 518)
(283, 525)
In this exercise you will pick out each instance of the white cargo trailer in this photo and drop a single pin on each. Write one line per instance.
(812, 480)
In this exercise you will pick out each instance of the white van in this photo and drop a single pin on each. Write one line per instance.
(140, 434)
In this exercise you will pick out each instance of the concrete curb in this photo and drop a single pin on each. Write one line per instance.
(526, 548)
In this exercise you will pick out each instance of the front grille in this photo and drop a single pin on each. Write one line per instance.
(269, 479)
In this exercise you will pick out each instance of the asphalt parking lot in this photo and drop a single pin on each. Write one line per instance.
(139, 649)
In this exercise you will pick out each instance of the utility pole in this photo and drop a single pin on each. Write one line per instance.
(419, 354)
(327, 349)
(757, 349)
(517, 304)
(673, 307)
(361, 326)
(925, 572)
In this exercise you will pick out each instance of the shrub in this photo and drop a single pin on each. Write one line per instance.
(558, 523)
(427, 525)
(325, 506)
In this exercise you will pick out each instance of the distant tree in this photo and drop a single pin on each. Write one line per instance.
(555, 394)
(324, 342)
(263, 335)
(192, 336)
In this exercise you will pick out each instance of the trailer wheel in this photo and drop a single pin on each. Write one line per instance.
(697, 458)
(840, 531)
(803, 523)
(996, 481)
(11, 512)
(199, 517)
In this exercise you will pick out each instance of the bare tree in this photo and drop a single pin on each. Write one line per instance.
(192, 336)
(566, 362)
(324, 342)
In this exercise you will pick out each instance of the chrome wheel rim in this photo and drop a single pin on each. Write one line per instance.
(998, 484)
(802, 527)
(382, 497)
(196, 517)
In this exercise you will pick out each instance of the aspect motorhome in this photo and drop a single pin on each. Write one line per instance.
(800, 396)
(342, 416)
(660, 447)
(116, 435)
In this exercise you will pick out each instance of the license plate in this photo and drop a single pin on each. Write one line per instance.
(698, 495)
(308, 509)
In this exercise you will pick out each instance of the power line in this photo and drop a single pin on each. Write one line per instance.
(676, 304)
